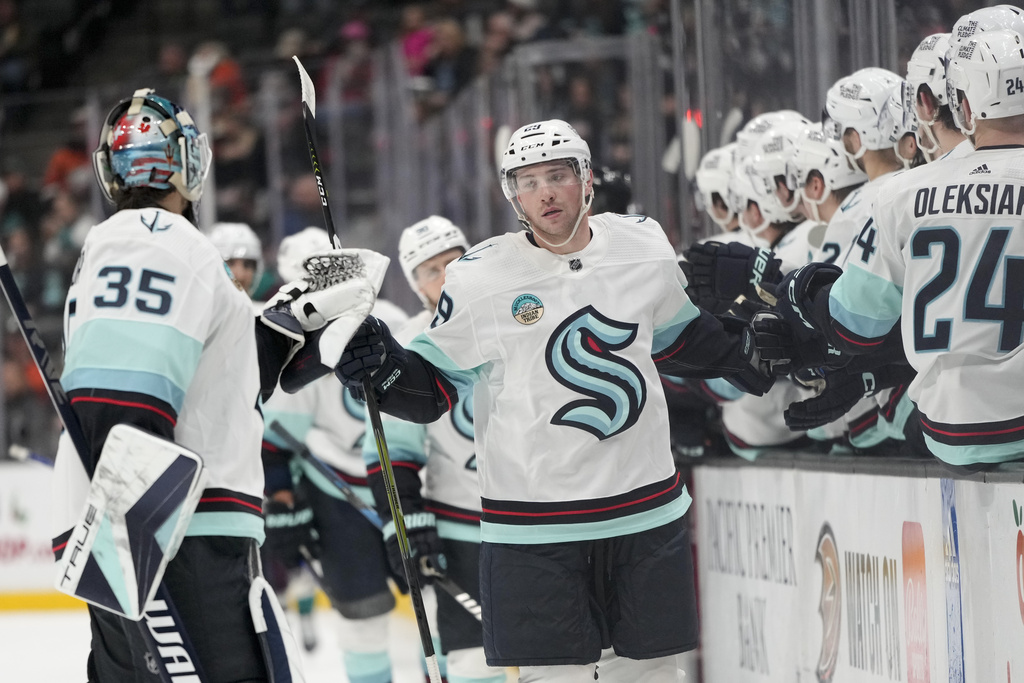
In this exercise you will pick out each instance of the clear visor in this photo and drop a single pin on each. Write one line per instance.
(538, 177)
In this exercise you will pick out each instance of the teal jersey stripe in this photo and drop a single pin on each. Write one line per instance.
(146, 383)
(722, 387)
(405, 442)
(588, 531)
(670, 331)
(871, 436)
(972, 455)
(297, 424)
(748, 454)
(326, 486)
(894, 429)
(453, 678)
(432, 353)
(142, 348)
(456, 531)
(367, 667)
(236, 524)
(864, 303)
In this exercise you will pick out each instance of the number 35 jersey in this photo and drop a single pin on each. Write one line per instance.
(154, 323)
(571, 425)
(950, 261)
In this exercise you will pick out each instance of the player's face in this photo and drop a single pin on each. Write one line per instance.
(718, 207)
(551, 195)
(244, 271)
(430, 274)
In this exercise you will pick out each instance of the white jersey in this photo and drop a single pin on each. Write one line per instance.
(944, 255)
(338, 427)
(153, 311)
(446, 451)
(571, 424)
(840, 240)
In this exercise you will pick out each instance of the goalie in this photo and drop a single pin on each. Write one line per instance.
(164, 354)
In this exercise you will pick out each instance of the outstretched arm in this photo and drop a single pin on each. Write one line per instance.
(407, 386)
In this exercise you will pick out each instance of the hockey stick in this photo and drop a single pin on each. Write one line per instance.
(161, 619)
(411, 573)
(443, 582)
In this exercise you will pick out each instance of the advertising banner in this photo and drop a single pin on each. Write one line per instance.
(26, 560)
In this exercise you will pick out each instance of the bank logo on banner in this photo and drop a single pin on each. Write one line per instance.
(830, 606)
(951, 560)
(915, 603)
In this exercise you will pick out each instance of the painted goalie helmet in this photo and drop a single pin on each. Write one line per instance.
(148, 141)
(424, 240)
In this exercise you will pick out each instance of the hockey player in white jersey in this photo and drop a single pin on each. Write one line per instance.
(937, 134)
(242, 250)
(563, 329)
(713, 176)
(945, 240)
(159, 338)
(436, 472)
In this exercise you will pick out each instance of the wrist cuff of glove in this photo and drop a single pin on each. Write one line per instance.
(413, 522)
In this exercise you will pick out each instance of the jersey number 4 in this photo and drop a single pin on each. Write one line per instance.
(1009, 314)
(150, 297)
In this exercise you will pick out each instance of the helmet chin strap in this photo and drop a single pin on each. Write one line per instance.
(933, 143)
(584, 208)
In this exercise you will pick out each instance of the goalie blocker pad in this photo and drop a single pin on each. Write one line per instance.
(140, 503)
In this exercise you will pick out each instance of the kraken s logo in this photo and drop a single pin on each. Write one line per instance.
(830, 605)
(356, 409)
(462, 415)
(580, 356)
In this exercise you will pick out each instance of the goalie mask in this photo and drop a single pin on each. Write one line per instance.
(856, 101)
(238, 241)
(988, 71)
(295, 249)
(539, 143)
(713, 177)
(148, 141)
(425, 240)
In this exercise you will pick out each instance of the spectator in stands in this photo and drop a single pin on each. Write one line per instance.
(63, 230)
(451, 67)
(497, 41)
(17, 57)
(240, 167)
(350, 66)
(227, 85)
(416, 38)
(71, 163)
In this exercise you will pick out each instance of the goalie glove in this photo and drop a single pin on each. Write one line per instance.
(718, 273)
(340, 283)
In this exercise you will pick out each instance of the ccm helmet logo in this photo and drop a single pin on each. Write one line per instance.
(533, 146)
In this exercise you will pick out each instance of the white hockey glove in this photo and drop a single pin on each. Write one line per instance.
(339, 284)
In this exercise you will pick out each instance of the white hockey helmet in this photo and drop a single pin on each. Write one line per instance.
(238, 241)
(768, 164)
(987, 70)
(295, 249)
(753, 129)
(927, 66)
(986, 19)
(815, 151)
(537, 143)
(713, 176)
(424, 240)
(856, 101)
(899, 118)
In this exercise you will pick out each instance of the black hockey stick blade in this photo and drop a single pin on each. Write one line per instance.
(308, 123)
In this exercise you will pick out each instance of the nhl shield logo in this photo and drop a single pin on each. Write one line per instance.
(527, 309)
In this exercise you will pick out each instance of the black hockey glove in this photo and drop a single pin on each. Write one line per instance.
(718, 273)
(787, 350)
(842, 391)
(424, 546)
(796, 293)
(372, 352)
(289, 528)
(755, 376)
